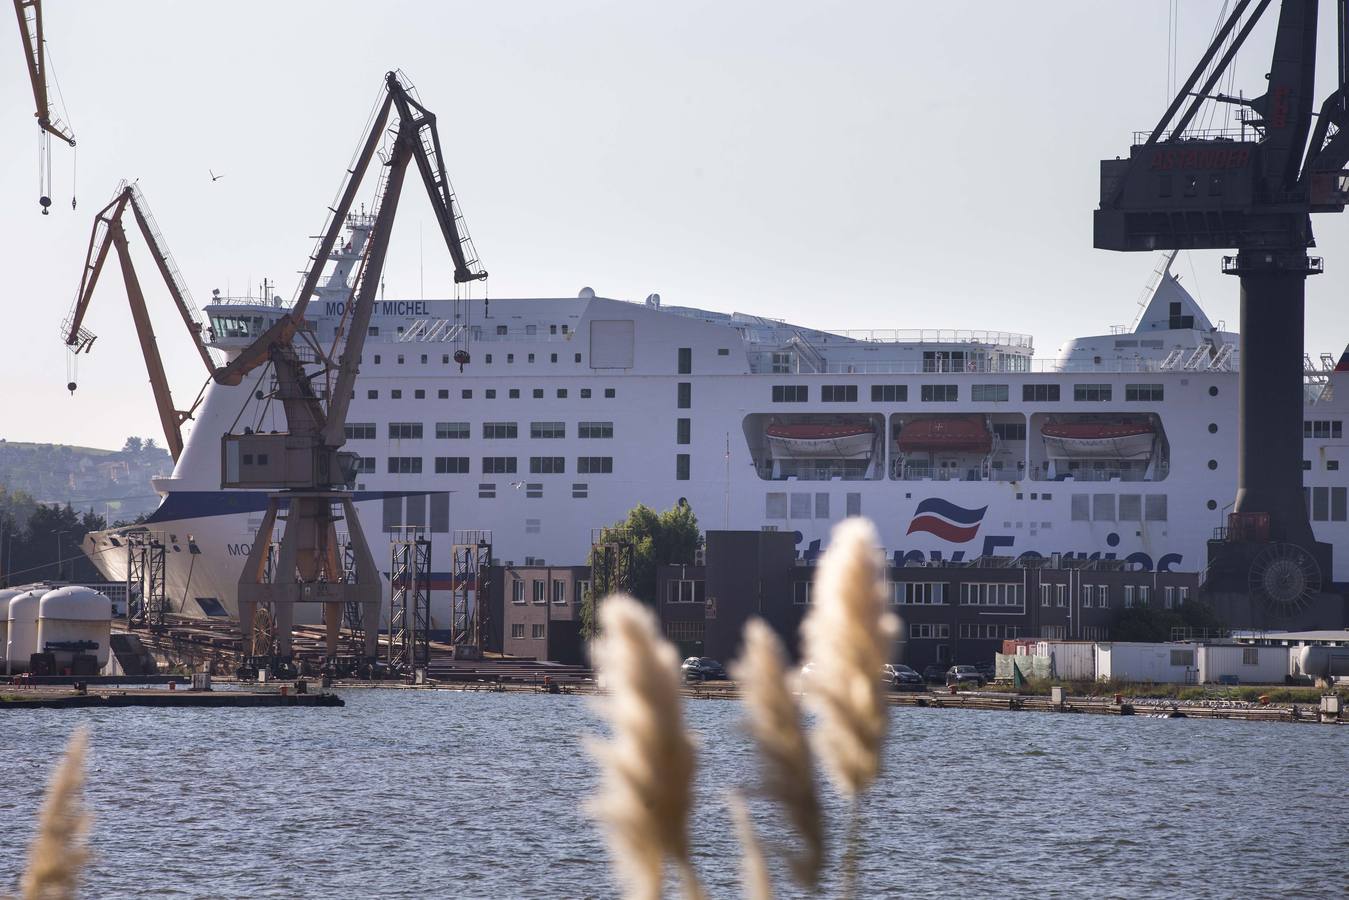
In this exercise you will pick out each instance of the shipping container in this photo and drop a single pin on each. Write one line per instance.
(1019, 646)
(1069, 660)
(1158, 663)
(1242, 664)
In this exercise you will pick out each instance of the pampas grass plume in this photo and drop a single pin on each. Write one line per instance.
(647, 778)
(58, 851)
(788, 776)
(847, 637)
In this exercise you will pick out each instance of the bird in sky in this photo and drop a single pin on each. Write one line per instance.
(214, 176)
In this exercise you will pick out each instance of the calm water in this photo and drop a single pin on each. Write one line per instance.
(429, 794)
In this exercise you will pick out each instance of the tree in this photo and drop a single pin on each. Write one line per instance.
(149, 446)
(132, 445)
(637, 547)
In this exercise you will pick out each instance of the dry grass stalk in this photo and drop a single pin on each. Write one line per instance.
(847, 637)
(788, 775)
(646, 790)
(756, 882)
(58, 852)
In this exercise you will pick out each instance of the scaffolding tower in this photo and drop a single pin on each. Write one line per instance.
(410, 604)
(147, 598)
(470, 592)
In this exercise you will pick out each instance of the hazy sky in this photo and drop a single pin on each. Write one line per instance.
(889, 164)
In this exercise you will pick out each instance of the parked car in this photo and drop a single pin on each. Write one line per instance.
(936, 673)
(964, 675)
(703, 668)
(901, 677)
(987, 670)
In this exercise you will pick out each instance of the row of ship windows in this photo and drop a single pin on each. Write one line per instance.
(488, 394)
(950, 393)
(487, 358)
(412, 431)
(509, 465)
(1131, 508)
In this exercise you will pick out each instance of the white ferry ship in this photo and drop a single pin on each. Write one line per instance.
(542, 420)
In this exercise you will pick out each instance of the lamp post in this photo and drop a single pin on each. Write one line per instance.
(59, 535)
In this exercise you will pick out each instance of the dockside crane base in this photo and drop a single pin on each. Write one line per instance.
(109, 232)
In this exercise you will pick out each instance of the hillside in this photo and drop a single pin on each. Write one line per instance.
(113, 483)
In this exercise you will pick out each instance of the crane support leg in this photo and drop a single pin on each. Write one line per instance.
(154, 365)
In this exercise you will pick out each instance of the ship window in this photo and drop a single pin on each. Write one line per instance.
(1145, 393)
(939, 393)
(594, 465)
(451, 465)
(682, 430)
(1337, 504)
(576, 357)
(366, 464)
(854, 504)
(790, 393)
(510, 358)
(498, 465)
(1103, 507)
(443, 394)
(838, 393)
(1040, 393)
(487, 491)
(723, 351)
(1306, 465)
(452, 431)
(1332, 465)
(1081, 510)
(400, 359)
(994, 393)
(499, 430)
(547, 429)
(405, 465)
(821, 506)
(487, 358)
(513, 394)
(531, 357)
(501, 329)
(580, 490)
(405, 431)
(1009, 431)
(547, 465)
(490, 393)
(585, 393)
(466, 394)
(1091, 393)
(889, 393)
(681, 467)
(1323, 428)
(684, 397)
(594, 429)
(1131, 507)
(610, 393)
(360, 431)
(538, 393)
(419, 394)
(800, 506)
(562, 393)
(424, 359)
(376, 359)
(373, 331)
(444, 359)
(1154, 508)
(396, 394)
(552, 357)
(775, 505)
(1320, 504)
(685, 360)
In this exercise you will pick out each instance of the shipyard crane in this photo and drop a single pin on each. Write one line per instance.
(1252, 190)
(303, 468)
(29, 13)
(109, 232)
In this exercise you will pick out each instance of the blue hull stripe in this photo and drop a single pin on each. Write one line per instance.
(207, 504)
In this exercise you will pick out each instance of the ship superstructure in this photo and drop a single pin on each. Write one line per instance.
(542, 420)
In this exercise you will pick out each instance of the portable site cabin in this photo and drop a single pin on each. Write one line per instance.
(1242, 664)
(1069, 660)
(1157, 663)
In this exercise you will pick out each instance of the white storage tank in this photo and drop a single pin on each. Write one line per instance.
(6, 595)
(75, 615)
(1141, 662)
(1069, 660)
(1242, 664)
(21, 642)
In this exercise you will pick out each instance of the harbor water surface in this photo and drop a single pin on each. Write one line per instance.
(443, 793)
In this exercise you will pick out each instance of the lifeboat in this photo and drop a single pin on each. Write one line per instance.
(953, 434)
(1099, 440)
(822, 440)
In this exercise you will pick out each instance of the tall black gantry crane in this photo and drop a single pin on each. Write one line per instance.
(1253, 191)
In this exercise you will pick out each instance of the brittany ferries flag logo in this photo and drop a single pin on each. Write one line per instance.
(946, 520)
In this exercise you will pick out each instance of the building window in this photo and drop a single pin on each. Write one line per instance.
(451, 465)
(926, 630)
(452, 431)
(547, 430)
(993, 593)
(594, 465)
(1103, 596)
(405, 431)
(685, 360)
(1143, 393)
(499, 430)
(1040, 393)
(682, 430)
(681, 467)
(989, 393)
(1250, 656)
(1091, 393)
(594, 430)
(685, 395)
(1087, 594)
(405, 465)
(1169, 598)
(517, 591)
(559, 593)
(791, 393)
(918, 593)
(801, 591)
(939, 393)
(889, 393)
(360, 431)
(582, 590)
(517, 630)
(838, 393)
(498, 465)
(547, 465)
(1129, 594)
(684, 590)
(539, 591)
(539, 631)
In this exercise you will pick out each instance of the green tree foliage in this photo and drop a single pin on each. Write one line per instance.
(42, 542)
(628, 554)
(132, 445)
(1153, 624)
